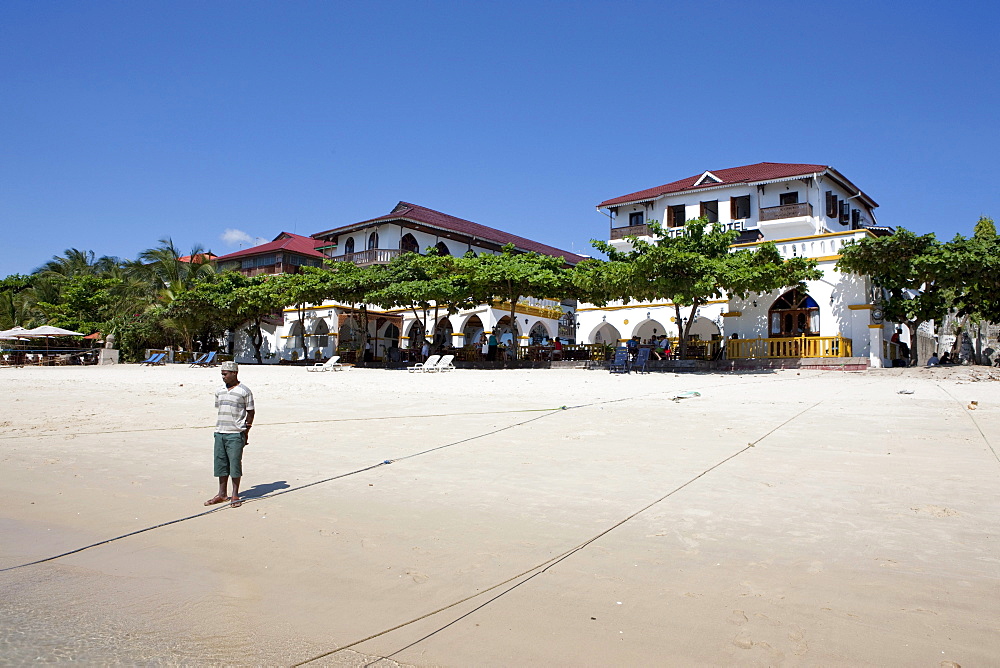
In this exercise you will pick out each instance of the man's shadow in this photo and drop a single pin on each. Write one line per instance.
(258, 491)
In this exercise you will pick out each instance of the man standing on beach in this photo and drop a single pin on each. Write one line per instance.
(234, 404)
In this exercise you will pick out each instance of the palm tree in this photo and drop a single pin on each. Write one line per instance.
(76, 262)
(168, 273)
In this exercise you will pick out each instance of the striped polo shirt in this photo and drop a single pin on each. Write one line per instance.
(232, 404)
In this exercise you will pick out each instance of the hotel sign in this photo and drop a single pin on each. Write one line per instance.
(738, 225)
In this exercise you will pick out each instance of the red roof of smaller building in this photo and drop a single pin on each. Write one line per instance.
(207, 256)
(405, 211)
(762, 171)
(286, 241)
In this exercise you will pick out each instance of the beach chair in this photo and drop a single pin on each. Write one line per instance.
(329, 365)
(153, 360)
(420, 366)
(198, 360)
(443, 364)
(620, 362)
(209, 359)
(641, 359)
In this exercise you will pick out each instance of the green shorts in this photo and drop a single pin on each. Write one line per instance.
(229, 455)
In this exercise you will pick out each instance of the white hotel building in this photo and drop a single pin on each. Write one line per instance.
(808, 211)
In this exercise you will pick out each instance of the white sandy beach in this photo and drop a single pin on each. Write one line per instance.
(862, 527)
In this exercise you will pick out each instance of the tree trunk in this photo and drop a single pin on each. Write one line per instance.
(911, 327)
(690, 321)
(681, 339)
(256, 339)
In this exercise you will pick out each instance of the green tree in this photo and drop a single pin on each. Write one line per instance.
(692, 269)
(907, 269)
(510, 275)
(233, 302)
(166, 273)
(970, 267)
(424, 282)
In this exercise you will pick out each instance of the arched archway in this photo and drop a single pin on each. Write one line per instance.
(704, 329)
(442, 248)
(321, 334)
(294, 336)
(408, 244)
(349, 246)
(504, 332)
(373, 240)
(417, 335)
(472, 331)
(442, 333)
(538, 334)
(647, 329)
(794, 313)
(605, 333)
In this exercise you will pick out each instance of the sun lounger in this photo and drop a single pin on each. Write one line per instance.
(154, 360)
(197, 360)
(329, 365)
(443, 364)
(421, 366)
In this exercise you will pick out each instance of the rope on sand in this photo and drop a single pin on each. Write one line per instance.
(544, 566)
(974, 421)
(547, 412)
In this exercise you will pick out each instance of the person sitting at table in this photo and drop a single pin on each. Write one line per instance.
(557, 350)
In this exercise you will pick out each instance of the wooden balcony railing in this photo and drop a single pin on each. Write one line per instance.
(370, 256)
(785, 211)
(796, 347)
(630, 231)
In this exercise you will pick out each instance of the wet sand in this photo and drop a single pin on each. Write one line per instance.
(786, 518)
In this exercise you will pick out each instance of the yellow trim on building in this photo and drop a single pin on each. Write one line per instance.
(860, 307)
(524, 309)
(732, 314)
(645, 306)
(874, 326)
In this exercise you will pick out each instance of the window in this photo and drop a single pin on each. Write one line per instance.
(845, 213)
(373, 240)
(789, 198)
(259, 261)
(739, 207)
(832, 206)
(676, 216)
(442, 248)
(349, 246)
(408, 244)
(710, 210)
(855, 218)
(635, 218)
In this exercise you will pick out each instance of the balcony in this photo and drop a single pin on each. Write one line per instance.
(630, 231)
(370, 256)
(785, 211)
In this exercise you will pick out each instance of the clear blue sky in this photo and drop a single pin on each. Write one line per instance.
(124, 122)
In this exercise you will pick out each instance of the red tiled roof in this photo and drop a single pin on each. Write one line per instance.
(404, 211)
(762, 171)
(202, 257)
(293, 243)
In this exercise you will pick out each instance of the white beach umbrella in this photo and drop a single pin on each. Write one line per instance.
(13, 333)
(48, 331)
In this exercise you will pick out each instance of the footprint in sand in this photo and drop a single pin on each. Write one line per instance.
(738, 617)
(418, 577)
